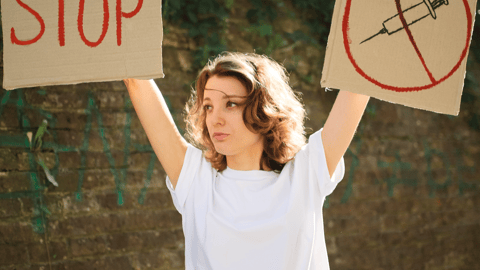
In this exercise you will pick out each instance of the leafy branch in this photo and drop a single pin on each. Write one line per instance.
(35, 148)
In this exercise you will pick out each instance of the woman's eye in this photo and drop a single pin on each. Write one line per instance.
(231, 104)
(207, 107)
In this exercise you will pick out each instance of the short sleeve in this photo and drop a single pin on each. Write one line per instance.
(318, 163)
(190, 167)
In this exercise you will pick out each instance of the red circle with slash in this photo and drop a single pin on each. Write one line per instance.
(345, 30)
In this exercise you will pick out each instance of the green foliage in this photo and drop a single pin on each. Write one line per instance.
(471, 92)
(205, 21)
(48, 174)
(37, 141)
(262, 11)
(213, 46)
(301, 36)
(261, 17)
(475, 46)
(371, 109)
(471, 100)
(317, 14)
(1, 33)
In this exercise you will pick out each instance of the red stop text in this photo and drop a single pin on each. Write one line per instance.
(119, 13)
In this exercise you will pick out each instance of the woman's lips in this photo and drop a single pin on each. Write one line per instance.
(220, 136)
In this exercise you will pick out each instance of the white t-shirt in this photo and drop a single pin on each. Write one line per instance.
(252, 220)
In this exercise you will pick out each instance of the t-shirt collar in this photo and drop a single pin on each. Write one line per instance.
(248, 175)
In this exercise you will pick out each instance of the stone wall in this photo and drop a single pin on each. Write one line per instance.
(408, 200)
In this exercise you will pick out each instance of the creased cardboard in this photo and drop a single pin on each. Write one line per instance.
(411, 52)
(52, 42)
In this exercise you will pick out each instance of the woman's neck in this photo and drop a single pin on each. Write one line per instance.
(247, 160)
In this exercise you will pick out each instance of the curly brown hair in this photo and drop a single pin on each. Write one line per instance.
(272, 109)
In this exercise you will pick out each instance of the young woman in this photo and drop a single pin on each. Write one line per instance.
(251, 192)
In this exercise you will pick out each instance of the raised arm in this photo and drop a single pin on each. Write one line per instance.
(341, 124)
(169, 146)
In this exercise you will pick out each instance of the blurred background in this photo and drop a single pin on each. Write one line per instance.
(409, 198)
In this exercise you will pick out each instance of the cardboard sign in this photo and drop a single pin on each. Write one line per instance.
(52, 42)
(412, 52)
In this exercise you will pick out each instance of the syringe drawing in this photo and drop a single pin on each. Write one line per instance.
(412, 15)
(376, 62)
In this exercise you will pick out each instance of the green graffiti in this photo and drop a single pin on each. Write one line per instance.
(120, 177)
(351, 173)
(4, 100)
(462, 184)
(36, 192)
(371, 109)
(13, 141)
(36, 188)
(398, 167)
(127, 135)
(434, 186)
(353, 166)
(106, 148)
(38, 221)
(143, 192)
(326, 203)
(42, 91)
(83, 152)
(351, 170)
(20, 194)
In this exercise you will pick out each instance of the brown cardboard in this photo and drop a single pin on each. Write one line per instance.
(421, 66)
(64, 57)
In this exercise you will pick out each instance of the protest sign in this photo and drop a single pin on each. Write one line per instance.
(52, 42)
(411, 52)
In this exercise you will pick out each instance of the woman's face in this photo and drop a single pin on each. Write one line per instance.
(224, 117)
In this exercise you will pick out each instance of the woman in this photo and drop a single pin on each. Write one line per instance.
(252, 198)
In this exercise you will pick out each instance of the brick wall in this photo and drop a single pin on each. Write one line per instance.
(408, 199)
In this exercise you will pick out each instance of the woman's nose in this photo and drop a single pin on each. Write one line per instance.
(217, 118)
